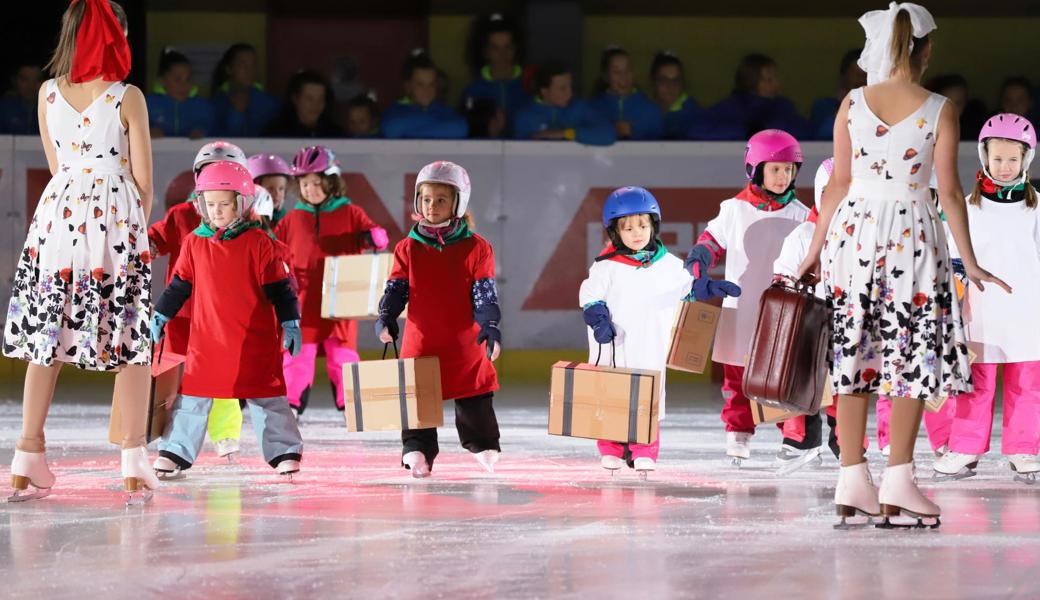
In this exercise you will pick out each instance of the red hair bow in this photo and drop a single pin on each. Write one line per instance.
(101, 48)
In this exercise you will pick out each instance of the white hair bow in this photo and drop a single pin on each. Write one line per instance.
(876, 59)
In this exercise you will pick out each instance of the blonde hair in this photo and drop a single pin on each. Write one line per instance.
(905, 60)
(60, 64)
(1030, 193)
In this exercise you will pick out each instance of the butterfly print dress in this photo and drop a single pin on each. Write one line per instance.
(82, 285)
(896, 326)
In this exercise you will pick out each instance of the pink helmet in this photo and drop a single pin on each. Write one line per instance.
(229, 176)
(1010, 127)
(218, 151)
(447, 173)
(260, 165)
(823, 175)
(771, 145)
(315, 159)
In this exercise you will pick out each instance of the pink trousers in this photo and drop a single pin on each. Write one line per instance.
(736, 413)
(299, 369)
(973, 421)
(617, 449)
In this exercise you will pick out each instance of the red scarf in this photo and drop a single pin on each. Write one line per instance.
(814, 215)
(759, 198)
(102, 51)
(624, 259)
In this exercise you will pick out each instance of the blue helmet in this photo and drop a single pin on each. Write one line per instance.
(631, 200)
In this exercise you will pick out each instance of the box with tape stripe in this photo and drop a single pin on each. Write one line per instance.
(604, 403)
(391, 395)
(352, 286)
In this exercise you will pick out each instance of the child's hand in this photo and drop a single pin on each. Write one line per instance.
(377, 238)
(156, 326)
(597, 316)
(496, 352)
(706, 288)
(490, 336)
(387, 329)
(385, 337)
(292, 338)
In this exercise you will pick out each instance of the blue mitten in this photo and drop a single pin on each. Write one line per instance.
(292, 338)
(597, 316)
(156, 325)
(706, 288)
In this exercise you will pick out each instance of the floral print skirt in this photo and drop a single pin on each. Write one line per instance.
(82, 288)
(896, 326)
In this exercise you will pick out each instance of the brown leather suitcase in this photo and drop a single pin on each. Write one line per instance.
(788, 358)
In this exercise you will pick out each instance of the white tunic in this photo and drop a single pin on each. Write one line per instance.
(793, 253)
(1004, 327)
(642, 302)
(752, 239)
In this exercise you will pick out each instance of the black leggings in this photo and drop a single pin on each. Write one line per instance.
(475, 421)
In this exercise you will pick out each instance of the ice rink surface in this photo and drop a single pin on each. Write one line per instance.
(550, 523)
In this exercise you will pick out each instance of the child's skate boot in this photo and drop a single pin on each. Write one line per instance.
(487, 459)
(288, 468)
(954, 465)
(166, 469)
(856, 495)
(228, 448)
(790, 459)
(416, 463)
(1025, 467)
(644, 465)
(139, 479)
(611, 463)
(738, 446)
(899, 495)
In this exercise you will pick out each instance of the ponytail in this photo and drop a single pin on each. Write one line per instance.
(902, 36)
(1030, 195)
(976, 193)
(905, 60)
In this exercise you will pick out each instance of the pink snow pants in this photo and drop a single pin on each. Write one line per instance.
(607, 448)
(937, 424)
(736, 413)
(299, 369)
(973, 421)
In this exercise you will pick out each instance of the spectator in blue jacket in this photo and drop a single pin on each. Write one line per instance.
(557, 115)
(308, 110)
(495, 57)
(363, 116)
(241, 107)
(419, 115)
(754, 105)
(824, 110)
(635, 117)
(175, 108)
(18, 114)
(669, 85)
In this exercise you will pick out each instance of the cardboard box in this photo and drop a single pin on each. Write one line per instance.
(392, 395)
(603, 403)
(692, 336)
(767, 414)
(352, 286)
(158, 411)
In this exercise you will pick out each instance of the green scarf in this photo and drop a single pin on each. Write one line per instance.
(328, 205)
(226, 233)
(459, 234)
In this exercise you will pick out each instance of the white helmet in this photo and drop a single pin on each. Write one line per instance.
(218, 151)
(263, 206)
(823, 175)
(447, 173)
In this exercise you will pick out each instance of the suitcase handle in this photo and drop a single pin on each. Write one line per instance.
(387, 347)
(613, 354)
(806, 285)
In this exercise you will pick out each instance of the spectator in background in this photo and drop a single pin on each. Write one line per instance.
(486, 120)
(824, 110)
(307, 111)
(18, 108)
(634, 116)
(1016, 97)
(174, 106)
(972, 111)
(679, 109)
(241, 107)
(557, 115)
(754, 105)
(419, 115)
(494, 55)
(363, 116)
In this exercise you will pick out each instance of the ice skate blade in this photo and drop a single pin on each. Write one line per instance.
(232, 458)
(844, 525)
(1026, 478)
(736, 461)
(137, 493)
(889, 511)
(170, 475)
(643, 474)
(25, 495)
(791, 466)
(940, 477)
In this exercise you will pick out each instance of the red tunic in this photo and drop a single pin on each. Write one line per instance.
(166, 238)
(440, 311)
(235, 349)
(341, 233)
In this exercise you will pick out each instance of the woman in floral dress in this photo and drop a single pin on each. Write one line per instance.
(896, 328)
(82, 286)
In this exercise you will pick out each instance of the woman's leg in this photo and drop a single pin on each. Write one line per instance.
(36, 402)
(133, 391)
(852, 427)
(903, 428)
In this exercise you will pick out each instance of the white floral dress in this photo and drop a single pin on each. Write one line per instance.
(82, 286)
(896, 326)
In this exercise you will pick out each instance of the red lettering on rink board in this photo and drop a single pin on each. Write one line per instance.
(685, 211)
(361, 192)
